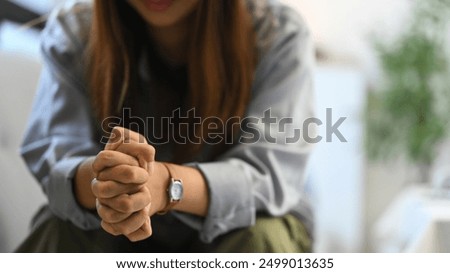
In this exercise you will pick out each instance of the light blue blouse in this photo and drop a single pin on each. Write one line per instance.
(248, 179)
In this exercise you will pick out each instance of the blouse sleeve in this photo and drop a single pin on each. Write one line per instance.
(59, 135)
(264, 172)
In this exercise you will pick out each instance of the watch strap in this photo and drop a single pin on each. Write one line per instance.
(172, 179)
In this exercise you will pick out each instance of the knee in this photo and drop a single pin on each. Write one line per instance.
(265, 230)
(269, 234)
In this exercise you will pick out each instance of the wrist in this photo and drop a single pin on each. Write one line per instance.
(174, 190)
(158, 183)
(82, 184)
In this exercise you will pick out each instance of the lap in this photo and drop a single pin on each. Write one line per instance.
(269, 234)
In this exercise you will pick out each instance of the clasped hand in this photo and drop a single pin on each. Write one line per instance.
(126, 193)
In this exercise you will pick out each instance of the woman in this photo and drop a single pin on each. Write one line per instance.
(216, 88)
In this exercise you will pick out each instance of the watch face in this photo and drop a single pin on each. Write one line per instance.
(176, 190)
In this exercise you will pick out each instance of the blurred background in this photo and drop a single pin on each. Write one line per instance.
(384, 65)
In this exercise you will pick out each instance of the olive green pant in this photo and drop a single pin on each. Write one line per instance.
(269, 234)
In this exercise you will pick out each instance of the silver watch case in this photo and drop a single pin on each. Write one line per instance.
(175, 190)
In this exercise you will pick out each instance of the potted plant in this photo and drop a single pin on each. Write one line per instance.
(409, 113)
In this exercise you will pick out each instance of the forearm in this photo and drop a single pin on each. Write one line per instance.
(82, 186)
(195, 199)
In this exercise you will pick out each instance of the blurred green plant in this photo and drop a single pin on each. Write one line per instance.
(409, 112)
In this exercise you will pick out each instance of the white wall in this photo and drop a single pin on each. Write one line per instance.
(343, 28)
(337, 168)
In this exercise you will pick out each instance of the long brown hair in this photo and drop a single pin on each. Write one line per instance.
(220, 65)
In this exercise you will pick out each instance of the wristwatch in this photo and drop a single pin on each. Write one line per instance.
(174, 191)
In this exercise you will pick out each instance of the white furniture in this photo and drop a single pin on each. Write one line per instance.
(41, 7)
(417, 221)
(20, 195)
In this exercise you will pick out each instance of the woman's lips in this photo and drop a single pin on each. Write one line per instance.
(158, 5)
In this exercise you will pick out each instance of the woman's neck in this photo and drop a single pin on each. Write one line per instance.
(172, 41)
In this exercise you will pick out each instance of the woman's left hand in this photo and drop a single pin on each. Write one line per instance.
(123, 200)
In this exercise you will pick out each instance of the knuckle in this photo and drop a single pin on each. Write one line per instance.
(107, 215)
(151, 150)
(140, 138)
(126, 230)
(121, 229)
(125, 205)
(142, 215)
(146, 151)
(100, 159)
(134, 176)
(144, 174)
(96, 164)
(104, 189)
(130, 174)
(141, 176)
(101, 213)
(140, 236)
(104, 155)
(136, 237)
(110, 228)
(146, 210)
(104, 215)
(133, 239)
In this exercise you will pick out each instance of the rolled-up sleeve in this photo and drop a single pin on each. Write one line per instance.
(60, 134)
(265, 173)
